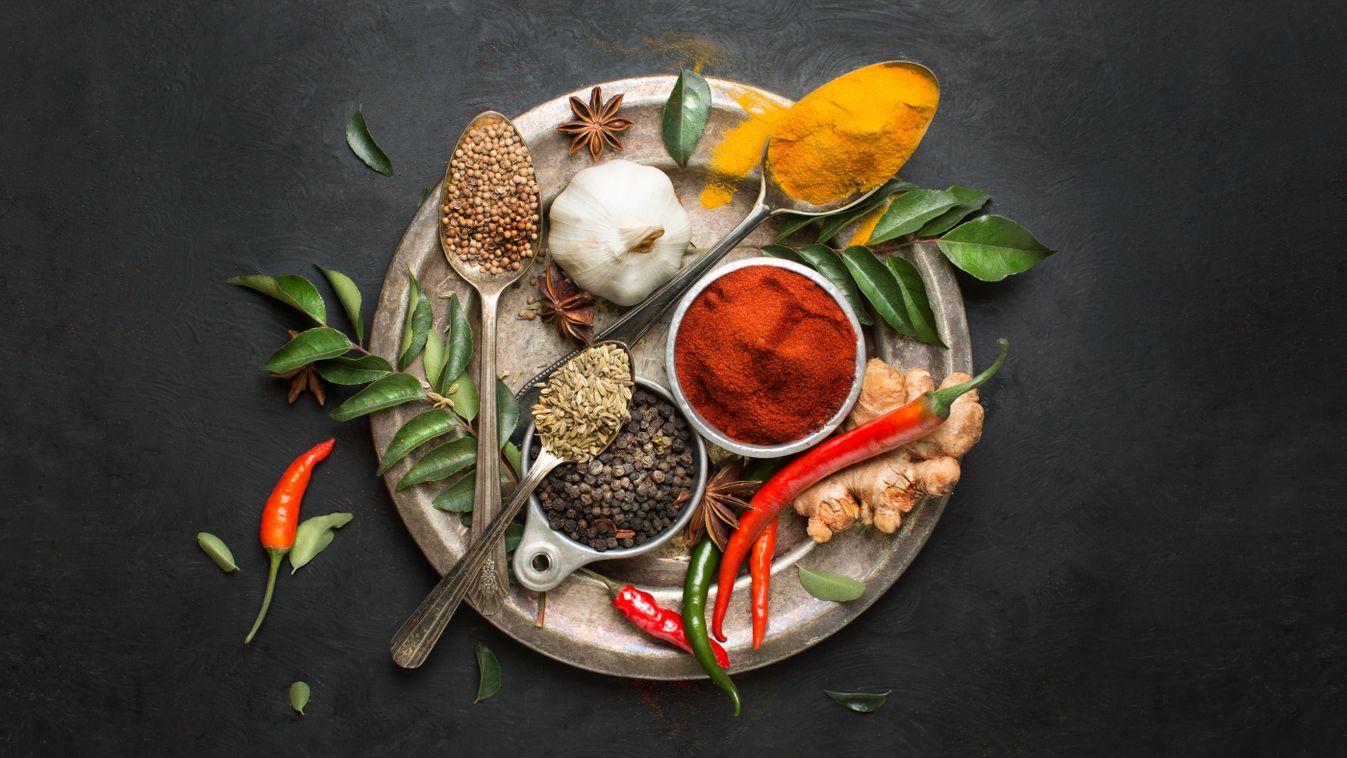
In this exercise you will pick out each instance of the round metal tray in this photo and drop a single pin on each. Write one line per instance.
(582, 628)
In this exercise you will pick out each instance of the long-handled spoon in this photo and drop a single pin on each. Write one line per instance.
(416, 637)
(493, 582)
(633, 325)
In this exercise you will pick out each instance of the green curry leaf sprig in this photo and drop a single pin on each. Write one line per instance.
(440, 441)
(987, 247)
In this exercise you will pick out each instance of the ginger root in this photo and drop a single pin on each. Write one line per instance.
(879, 491)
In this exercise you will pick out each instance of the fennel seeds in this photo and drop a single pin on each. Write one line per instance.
(585, 403)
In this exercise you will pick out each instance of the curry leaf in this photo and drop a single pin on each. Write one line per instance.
(514, 534)
(511, 455)
(793, 224)
(992, 248)
(784, 253)
(415, 325)
(217, 551)
(433, 361)
(823, 260)
(915, 300)
(826, 586)
(291, 289)
(458, 344)
(457, 497)
(488, 669)
(910, 211)
(860, 702)
(363, 145)
(349, 296)
(880, 288)
(299, 696)
(685, 115)
(359, 370)
(394, 389)
(314, 535)
(306, 347)
(970, 200)
(463, 393)
(836, 222)
(423, 427)
(441, 463)
(507, 412)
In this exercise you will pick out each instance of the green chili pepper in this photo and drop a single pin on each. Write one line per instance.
(701, 573)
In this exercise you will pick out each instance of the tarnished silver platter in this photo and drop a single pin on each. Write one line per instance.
(582, 628)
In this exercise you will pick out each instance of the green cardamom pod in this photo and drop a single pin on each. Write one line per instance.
(217, 550)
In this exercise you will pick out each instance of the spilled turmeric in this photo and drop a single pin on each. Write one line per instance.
(846, 137)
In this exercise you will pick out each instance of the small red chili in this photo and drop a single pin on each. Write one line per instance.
(280, 518)
(642, 611)
(760, 569)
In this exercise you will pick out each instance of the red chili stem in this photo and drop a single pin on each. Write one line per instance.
(280, 518)
(878, 435)
(760, 569)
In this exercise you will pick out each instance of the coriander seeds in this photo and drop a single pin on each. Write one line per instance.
(489, 203)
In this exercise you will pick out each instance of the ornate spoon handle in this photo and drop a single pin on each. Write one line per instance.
(417, 636)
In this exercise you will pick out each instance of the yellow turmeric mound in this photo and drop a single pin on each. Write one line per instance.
(848, 136)
(879, 491)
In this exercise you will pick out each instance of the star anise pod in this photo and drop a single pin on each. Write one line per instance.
(303, 378)
(717, 513)
(595, 125)
(569, 306)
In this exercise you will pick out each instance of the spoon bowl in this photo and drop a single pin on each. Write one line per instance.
(494, 582)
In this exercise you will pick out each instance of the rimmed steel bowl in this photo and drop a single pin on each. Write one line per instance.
(718, 437)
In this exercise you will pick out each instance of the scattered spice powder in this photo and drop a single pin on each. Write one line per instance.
(489, 209)
(765, 355)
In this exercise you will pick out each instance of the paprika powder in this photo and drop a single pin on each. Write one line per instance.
(765, 355)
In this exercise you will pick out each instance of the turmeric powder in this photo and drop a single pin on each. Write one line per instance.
(846, 137)
(740, 151)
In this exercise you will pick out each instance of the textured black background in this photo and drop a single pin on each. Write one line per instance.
(1145, 555)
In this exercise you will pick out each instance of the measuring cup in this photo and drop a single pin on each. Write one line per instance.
(545, 557)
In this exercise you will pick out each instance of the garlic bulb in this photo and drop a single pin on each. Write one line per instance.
(619, 231)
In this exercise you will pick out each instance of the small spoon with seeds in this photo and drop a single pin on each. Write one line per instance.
(591, 392)
(489, 219)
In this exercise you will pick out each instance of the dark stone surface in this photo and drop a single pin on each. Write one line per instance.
(1145, 556)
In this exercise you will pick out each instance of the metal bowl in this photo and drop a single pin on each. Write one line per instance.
(545, 556)
(715, 435)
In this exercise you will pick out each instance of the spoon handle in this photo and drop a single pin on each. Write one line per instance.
(416, 637)
(636, 322)
(493, 581)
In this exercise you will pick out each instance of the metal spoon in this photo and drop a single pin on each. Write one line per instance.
(633, 325)
(493, 582)
(416, 637)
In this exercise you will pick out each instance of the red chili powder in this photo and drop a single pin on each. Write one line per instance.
(765, 355)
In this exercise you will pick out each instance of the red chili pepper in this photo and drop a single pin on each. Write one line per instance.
(760, 569)
(280, 518)
(641, 610)
(880, 434)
